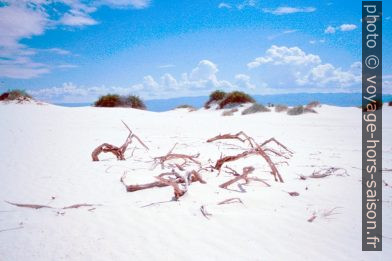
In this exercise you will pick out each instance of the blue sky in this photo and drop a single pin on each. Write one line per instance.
(74, 50)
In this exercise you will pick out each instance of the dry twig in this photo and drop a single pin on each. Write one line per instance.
(117, 151)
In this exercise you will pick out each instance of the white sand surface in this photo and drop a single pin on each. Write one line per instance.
(46, 159)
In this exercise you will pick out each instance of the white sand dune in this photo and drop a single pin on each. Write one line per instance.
(46, 159)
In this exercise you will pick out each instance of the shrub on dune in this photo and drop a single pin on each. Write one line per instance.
(115, 100)
(313, 104)
(281, 108)
(255, 108)
(109, 100)
(235, 98)
(186, 106)
(134, 102)
(229, 112)
(15, 94)
(215, 96)
(296, 110)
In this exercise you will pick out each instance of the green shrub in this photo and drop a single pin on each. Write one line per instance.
(109, 100)
(15, 94)
(215, 96)
(281, 108)
(133, 102)
(296, 110)
(313, 104)
(186, 106)
(255, 108)
(115, 100)
(229, 112)
(235, 98)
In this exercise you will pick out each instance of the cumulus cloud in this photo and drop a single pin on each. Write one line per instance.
(285, 55)
(330, 30)
(307, 69)
(201, 80)
(344, 28)
(27, 18)
(240, 6)
(347, 27)
(288, 10)
(70, 92)
(77, 18)
(243, 81)
(224, 5)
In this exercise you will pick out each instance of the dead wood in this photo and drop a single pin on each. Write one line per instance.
(204, 212)
(80, 205)
(34, 206)
(12, 228)
(172, 156)
(293, 194)
(256, 149)
(322, 173)
(117, 151)
(312, 217)
(177, 191)
(245, 172)
(230, 201)
(132, 188)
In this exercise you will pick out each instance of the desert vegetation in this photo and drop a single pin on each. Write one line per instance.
(115, 100)
(215, 97)
(16, 94)
(281, 108)
(255, 108)
(228, 100)
(186, 106)
(235, 98)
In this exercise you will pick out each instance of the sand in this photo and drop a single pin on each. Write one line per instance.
(46, 159)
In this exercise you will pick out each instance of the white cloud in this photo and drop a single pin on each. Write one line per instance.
(77, 18)
(69, 92)
(17, 22)
(330, 30)
(289, 10)
(200, 81)
(347, 27)
(242, 81)
(58, 51)
(307, 69)
(344, 28)
(247, 3)
(139, 4)
(285, 55)
(164, 66)
(21, 68)
(317, 41)
(67, 66)
(27, 18)
(271, 37)
(224, 5)
(323, 74)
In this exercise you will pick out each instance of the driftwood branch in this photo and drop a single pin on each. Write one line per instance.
(203, 210)
(230, 201)
(34, 206)
(117, 151)
(173, 156)
(245, 172)
(255, 149)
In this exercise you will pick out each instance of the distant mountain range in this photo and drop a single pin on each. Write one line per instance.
(336, 99)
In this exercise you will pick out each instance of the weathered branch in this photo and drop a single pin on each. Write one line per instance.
(117, 151)
(255, 149)
(245, 172)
